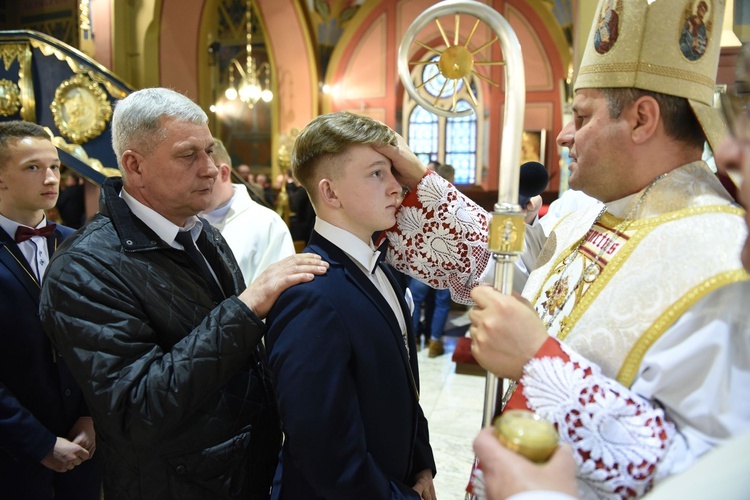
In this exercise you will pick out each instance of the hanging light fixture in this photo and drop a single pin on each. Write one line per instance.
(255, 80)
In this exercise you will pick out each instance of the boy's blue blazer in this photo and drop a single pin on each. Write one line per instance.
(347, 389)
(39, 400)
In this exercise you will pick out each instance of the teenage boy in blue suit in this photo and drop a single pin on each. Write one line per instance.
(342, 347)
(46, 437)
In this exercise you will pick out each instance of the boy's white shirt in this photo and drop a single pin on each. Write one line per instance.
(362, 254)
(34, 249)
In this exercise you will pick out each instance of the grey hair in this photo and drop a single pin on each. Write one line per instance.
(137, 119)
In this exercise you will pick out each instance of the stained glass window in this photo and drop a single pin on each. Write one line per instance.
(461, 144)
(449, 140)
(423, 134)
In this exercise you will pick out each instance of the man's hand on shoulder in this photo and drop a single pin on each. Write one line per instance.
(266, 288)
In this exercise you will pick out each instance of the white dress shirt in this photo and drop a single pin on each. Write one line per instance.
(363, 255)
(34, 249)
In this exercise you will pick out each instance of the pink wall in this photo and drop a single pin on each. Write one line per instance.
(289, 48)
(101, 20)
(365, 66)
(178, 45)
(287, 45)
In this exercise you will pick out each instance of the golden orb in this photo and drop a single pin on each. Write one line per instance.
(456, 62)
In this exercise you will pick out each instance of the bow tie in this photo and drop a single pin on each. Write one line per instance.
(378, 256)
(23, 233)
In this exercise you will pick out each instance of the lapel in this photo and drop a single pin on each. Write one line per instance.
(336, 257)
(12, 258)
(400, 294)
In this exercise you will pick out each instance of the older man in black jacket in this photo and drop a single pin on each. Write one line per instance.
(147, 306)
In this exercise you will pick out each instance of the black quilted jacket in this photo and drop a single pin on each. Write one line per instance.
(176, 380)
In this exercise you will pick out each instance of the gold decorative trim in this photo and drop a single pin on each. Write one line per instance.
(22, 52)
(608, 219)
(77, 151)
(635, 236)
(26, 84)
(10, 98)
(10, 52)
(113, 90)
(81, 109)
(636, 232)
(634, 358)
(653, 69)
(99, 77)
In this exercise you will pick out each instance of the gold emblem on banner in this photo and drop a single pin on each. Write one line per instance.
(81, 109)
(10, 98)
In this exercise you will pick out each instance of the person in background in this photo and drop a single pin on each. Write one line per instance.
(257, 235)
(269, 195)
(245, 173)
(47, 438)
(71, 205)
(624, 299)
(148, 307)
(353, 424)
(302, 216)
(253, 188)
(722, 471)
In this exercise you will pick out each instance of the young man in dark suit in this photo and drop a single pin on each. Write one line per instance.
(342, 347)
(46, 436)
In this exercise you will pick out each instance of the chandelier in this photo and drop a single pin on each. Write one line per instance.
(255, 79)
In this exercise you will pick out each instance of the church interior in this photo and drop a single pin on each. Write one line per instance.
(263, 69)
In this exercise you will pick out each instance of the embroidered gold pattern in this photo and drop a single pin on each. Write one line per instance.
(10, 98)
(654, 69)
(640, 229)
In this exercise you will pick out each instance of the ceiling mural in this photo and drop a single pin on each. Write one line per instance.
(329, 18)
(563, 11)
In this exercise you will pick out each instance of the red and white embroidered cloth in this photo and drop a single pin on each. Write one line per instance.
(689, 389)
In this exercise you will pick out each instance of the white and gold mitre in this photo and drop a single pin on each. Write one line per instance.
(666, 46)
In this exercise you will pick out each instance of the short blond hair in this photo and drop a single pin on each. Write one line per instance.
(328, 136)
(220, 154)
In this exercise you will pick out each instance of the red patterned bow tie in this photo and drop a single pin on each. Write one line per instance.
(23, 233)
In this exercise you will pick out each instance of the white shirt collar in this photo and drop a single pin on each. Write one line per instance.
(10, 226)
(164, 228)
(619, 208)
(359, 251)
(34, 249)
(217, 215)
